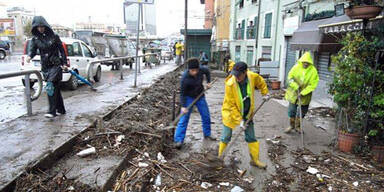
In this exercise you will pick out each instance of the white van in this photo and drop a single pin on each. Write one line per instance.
(78, 56)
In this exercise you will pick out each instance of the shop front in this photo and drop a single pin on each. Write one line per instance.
(322, 38)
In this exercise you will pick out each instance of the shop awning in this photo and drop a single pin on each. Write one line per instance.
(324, 35)
(309, 36)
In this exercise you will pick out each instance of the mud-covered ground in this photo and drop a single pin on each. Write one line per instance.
(136, 131)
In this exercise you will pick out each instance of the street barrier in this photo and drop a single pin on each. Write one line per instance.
(89, 68)
(28, 96)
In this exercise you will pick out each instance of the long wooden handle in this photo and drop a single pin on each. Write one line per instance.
(192, 104)
(243, 129)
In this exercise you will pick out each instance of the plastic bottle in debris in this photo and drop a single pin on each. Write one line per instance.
(158, 180)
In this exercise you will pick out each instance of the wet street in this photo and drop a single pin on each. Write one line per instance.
(12, 96)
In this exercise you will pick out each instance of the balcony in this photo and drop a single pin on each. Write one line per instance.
(251, 32)
(239, 34)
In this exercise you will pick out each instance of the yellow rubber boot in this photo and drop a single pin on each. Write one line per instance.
(291, 125)
(222, 147)
(254, 151)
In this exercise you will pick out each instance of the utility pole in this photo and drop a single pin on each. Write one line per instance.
(139, 7)
(186, 32)
(137, 44)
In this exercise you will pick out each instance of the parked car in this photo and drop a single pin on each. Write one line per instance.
(166, 53)
(4, 49)
(78, 56)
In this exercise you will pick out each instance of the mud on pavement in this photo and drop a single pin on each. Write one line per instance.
(133, 133)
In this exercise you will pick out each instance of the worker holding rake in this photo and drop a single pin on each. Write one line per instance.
(302, 81)
(238, 106)
(192, 93)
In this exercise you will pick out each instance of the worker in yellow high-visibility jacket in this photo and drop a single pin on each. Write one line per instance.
(238, 106)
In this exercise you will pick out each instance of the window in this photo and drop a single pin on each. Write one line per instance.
(268, 25)
(74, 49)
(241, 4)
(87, 52)
(237, 53)
(242, 29)
(252, 28)
(266, 52)
(254, 1)
(339, 9)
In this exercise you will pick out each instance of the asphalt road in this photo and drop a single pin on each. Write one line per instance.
(12, 99)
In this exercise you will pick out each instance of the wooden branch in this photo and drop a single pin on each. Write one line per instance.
(164, 171)
(353, 163)
(185, 167)
(149, 134)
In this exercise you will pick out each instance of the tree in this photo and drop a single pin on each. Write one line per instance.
(28, 28)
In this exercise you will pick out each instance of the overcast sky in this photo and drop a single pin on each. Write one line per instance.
(169, 13)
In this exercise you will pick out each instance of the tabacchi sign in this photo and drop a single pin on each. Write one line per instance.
(346, 27)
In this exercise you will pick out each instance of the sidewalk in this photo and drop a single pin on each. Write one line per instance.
(27, 140)
(270, 122)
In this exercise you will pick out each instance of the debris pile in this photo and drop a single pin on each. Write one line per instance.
(331, 172)
(281, 180)
(322, 112)
(323, 172)
(44, 182)
(132, 127)
(192, 174)
(134, 131)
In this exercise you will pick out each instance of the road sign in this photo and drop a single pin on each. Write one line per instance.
(140, 1)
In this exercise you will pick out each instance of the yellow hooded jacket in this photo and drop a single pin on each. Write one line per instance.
(179, 47)
(305, 79)
(232, 104)
(230, 65)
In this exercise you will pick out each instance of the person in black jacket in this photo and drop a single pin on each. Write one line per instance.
(53, 61)
(191, 87)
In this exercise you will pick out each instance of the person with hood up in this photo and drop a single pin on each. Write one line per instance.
(53, 60)
(238, 106)
(191, 87)
(302, 79)
(228, 64)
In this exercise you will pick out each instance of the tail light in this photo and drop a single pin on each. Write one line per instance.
(22, 60)
(65, 49)
(25, 48)
(68, 63)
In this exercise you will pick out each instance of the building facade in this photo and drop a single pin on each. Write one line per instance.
(21, 17)
(221, 32)
(209, 13)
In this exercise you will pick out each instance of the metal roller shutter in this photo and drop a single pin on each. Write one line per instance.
(291, 58)
(324, 66)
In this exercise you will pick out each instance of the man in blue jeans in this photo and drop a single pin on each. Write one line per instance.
(191, 87)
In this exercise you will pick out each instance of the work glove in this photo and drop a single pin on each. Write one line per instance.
(266, 97)
(242, 124)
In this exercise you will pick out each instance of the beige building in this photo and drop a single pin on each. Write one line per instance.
(62, 31)
(97, 27)
(21, 17)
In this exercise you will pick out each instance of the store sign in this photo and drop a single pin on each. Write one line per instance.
(344, 28)
(290, 25)
(7, 27)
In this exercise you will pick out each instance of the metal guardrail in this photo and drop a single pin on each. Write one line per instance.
(28, 96)
(90, 65)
